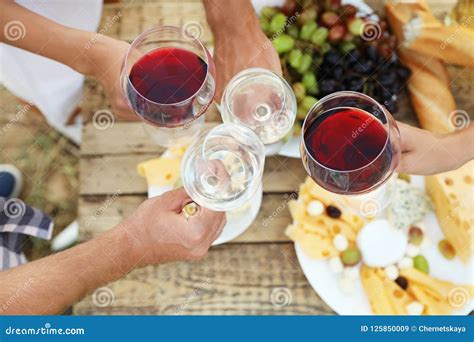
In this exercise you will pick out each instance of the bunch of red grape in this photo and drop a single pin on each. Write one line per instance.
(325, 47)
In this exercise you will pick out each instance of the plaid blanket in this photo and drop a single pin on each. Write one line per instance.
(16, 221)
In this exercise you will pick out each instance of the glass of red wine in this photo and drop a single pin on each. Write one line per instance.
(351, 146)
(168, 79)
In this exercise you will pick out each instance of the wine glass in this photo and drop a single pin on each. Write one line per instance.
(222, 171)
(351, 146)
(264, 102)
(168, 79)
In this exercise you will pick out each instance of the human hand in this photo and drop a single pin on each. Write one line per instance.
(159, 232)
(106, 62)
(243, 48)
(427, 153)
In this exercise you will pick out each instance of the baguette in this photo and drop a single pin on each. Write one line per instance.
(451, 192)
(429, 91)
(417, 29)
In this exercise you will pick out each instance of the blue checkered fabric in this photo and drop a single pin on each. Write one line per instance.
(17, 220)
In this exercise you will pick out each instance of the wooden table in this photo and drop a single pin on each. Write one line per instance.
(235, 278)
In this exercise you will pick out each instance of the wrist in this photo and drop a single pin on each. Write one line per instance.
(231, 18)
(461, 143)
(96, 46)
(130, 247)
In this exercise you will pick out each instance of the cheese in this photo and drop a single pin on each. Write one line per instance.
(408, 204)
(160, 172)
(452, 194)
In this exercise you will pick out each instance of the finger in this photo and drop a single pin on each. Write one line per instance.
(176, 199)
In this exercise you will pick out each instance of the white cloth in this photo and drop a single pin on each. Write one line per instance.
(53, 88)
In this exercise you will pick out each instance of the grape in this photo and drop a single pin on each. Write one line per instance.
(337, 72)
(372, 53)
(289, 7)
(278, 23)
(332, 57)
(283, 43)
(308, 102)
(319, 36)
(403, 73)
(421, 264)
(349, 11)
(301, 113)
(446, 249)
(293, 31)
(328, 86)
(264, 24)
(347, 46)
(269, 12)
(308, 15)
(325, 47)
(329, 19)
(310, 83)
(307, 30)
(351, 256)
(336, 33)
(295, 58)
(306, 62)
(415, 236)
(299, 90)
(356, 26)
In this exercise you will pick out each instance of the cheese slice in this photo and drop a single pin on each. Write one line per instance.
(374, 287)
(399, 298)
(160, 172)
(452, 194)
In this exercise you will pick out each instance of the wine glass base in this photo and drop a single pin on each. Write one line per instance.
(240, 219)
(372, 204)
(274, 149)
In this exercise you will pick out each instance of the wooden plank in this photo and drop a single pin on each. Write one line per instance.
(109, 174)
(99, 213)
(232, 280)
(121, 138)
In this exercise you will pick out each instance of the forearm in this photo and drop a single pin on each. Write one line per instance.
(460, 144)
(230, 17)
(50, 285)
(47, 38)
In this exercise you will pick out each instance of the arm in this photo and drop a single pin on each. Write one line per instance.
(426, 153)
(239, 40)
(157, 232)
(50, 285)
(86, 52)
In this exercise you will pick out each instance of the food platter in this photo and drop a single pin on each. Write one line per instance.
(326, 283)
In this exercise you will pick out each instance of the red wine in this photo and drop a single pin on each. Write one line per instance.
(351, 145)
(166, 80)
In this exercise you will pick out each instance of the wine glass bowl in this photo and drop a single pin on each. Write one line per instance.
(222, 169)
(262, 101)
(350, 143)
(168, 77)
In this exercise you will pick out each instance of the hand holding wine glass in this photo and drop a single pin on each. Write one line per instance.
(159, 232)
(427, 153)
(105, 58)
(239, 42)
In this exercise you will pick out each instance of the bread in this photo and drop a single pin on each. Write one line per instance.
(429, 91)
(417, 29)
(429, 82)
(452, 194)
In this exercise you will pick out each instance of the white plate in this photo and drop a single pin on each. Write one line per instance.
(326, 283)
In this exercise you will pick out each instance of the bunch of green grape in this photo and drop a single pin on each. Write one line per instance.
(302, 43)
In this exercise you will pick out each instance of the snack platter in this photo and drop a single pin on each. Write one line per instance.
(328, 284)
